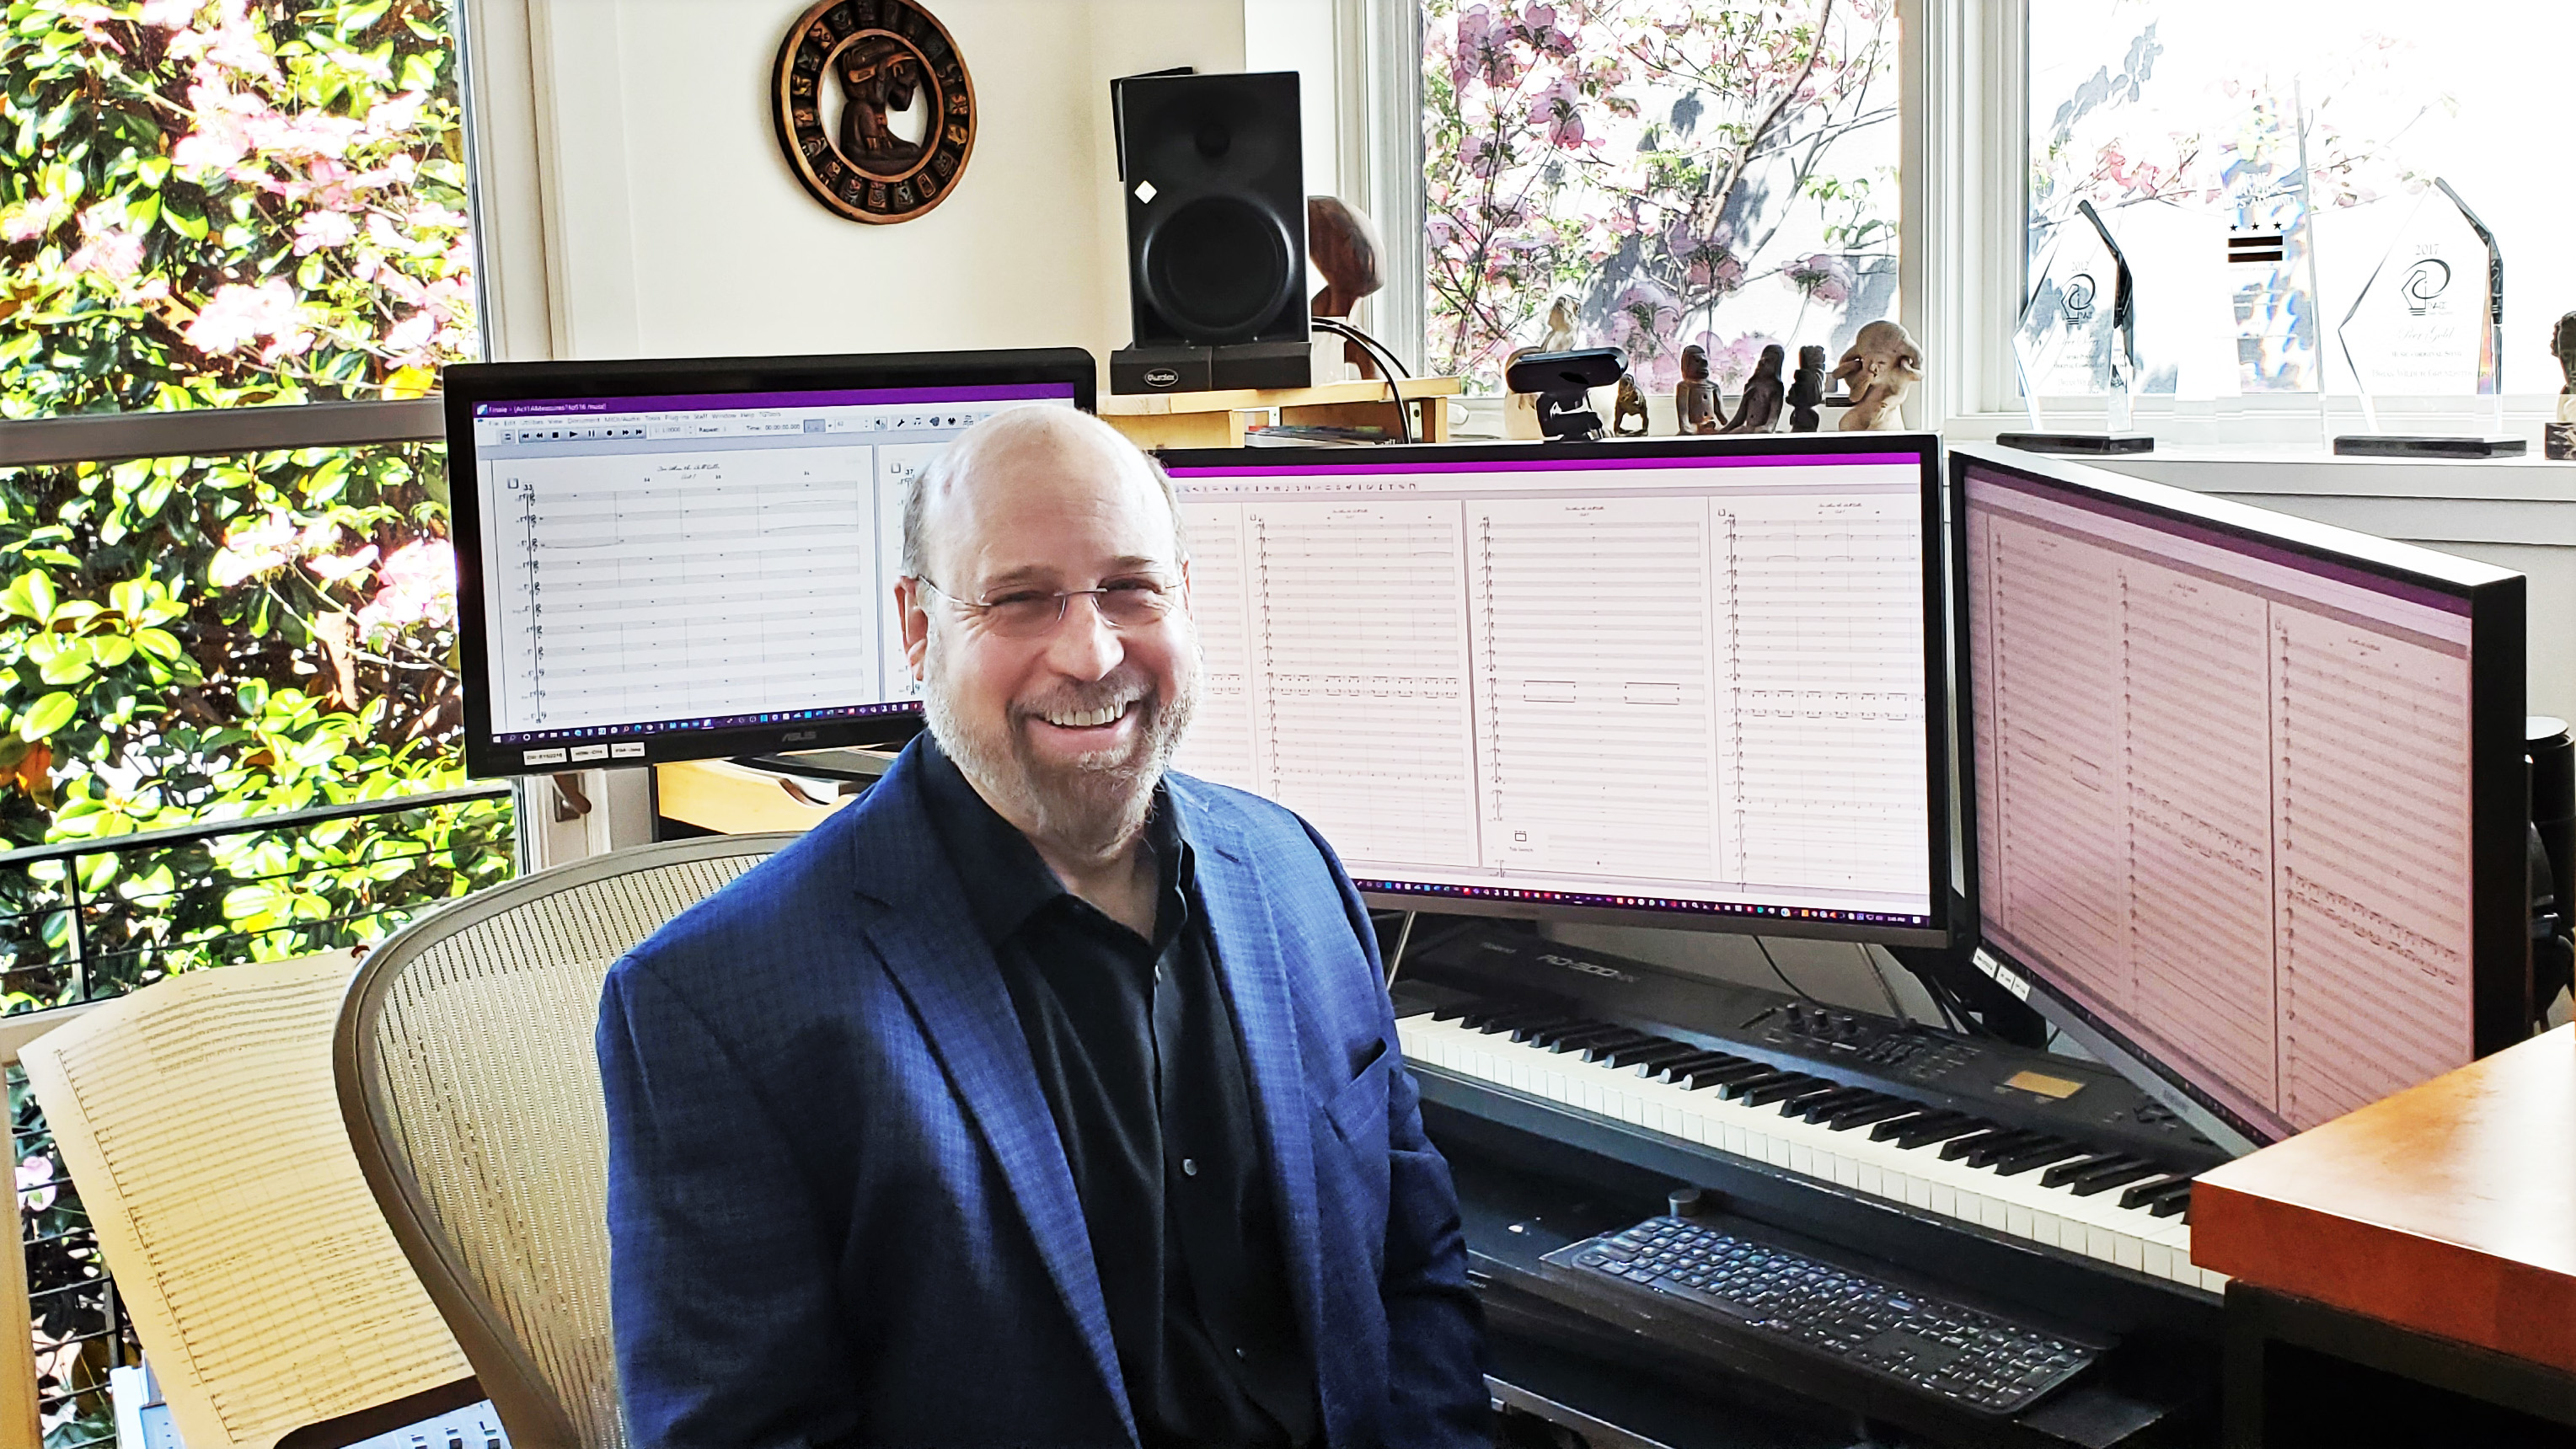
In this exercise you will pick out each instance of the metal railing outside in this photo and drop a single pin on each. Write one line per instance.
(84, 921)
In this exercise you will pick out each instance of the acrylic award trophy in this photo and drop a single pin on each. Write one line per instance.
(2078, 338)
(2429, 324)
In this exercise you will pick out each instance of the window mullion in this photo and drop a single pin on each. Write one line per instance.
(215, 432)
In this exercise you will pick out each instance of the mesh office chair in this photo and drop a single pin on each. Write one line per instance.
(466, 1074)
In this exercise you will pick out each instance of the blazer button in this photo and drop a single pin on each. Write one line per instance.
(1189, 1167)
(1242, 1355)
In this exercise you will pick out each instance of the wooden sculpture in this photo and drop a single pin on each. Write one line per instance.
(1343, 244)
(1695, 405)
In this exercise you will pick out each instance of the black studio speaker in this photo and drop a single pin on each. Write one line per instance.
(1215, 179)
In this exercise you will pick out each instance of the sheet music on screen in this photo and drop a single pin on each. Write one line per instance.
(2223, 797)
(1663, 683)
(653, 564)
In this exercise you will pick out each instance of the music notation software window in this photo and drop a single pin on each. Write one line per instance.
(2223, 797)
(1692, 682)
(667, 562)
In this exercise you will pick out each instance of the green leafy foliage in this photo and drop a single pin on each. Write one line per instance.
(220, 203)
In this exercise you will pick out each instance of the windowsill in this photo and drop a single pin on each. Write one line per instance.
(2286, 453)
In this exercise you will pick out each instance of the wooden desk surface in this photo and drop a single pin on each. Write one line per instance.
(2449, 1209)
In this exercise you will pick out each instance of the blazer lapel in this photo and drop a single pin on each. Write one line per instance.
(1256, 983)
(929, 944)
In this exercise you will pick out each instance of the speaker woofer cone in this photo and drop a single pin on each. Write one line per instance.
(1219, 268)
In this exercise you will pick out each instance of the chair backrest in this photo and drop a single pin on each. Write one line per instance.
(466, 1074)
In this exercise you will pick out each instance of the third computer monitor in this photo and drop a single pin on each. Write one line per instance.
(2248, 790)
(1688, 681)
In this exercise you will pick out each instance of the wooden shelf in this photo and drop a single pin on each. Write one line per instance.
(1220, 419)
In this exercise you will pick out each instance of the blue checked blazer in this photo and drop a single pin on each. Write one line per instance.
(838, 1210)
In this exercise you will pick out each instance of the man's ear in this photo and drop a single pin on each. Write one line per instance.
(913, 610)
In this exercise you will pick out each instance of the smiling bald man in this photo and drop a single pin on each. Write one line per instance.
(1043, 1096)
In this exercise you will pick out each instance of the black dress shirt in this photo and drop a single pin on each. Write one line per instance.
(1141, 1067)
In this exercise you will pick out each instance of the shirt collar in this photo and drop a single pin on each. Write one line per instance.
(1005, 879)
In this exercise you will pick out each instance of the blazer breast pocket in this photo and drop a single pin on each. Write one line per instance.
(1358, 1110)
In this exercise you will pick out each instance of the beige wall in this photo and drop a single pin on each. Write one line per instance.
(647, 175)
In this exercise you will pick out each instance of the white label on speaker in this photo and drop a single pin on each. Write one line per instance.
(1145, 192)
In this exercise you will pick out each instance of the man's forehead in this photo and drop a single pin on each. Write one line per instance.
(1043, 498)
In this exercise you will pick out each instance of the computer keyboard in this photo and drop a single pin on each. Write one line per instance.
(1972, 1358)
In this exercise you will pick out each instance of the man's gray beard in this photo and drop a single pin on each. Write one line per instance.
(1090, 807)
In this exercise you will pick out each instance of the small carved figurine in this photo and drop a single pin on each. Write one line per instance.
(1763, 392)
(1343, 244)
(1695, 405)
(1560, 327)
(1520, 409)
(1632, 404)
(1807, 391)
(2562, 345)
(1878, 369)
(2558, 439)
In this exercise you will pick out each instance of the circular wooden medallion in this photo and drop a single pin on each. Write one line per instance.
(883, 63)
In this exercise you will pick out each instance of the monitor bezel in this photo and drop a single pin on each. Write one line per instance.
(1948, 925)
(468, 385)
(2499, 799)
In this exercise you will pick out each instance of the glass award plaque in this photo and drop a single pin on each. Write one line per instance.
(2078, 336)
(2428, 322)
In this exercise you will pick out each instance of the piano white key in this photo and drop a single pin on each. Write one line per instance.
(2017, 1206)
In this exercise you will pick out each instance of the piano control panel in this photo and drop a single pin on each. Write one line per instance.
(2026, 1088)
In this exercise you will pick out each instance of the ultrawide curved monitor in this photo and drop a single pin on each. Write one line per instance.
(685, 560)
(1689, 682)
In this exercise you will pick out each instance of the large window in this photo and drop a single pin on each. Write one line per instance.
(2199, 131)
(1652, 174)
(234, 253)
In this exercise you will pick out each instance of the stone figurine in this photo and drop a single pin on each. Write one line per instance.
(1807, 391)
(1632, 404)
(1877, 370)
(1763, 393)
(1343, 244)
(1695, 405)
(2558, 439)
(1560, 328)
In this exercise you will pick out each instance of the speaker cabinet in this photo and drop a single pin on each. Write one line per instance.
(1215, 180)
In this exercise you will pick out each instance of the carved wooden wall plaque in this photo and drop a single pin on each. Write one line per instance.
(878, 59)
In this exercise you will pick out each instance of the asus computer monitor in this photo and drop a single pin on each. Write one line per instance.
(2249, 790)
(683, 560)
(1684, 682)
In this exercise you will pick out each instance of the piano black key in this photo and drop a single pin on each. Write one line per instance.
(1652, 1053)
(1923, 1132)
(2054, 1149)
(1720, 1076)
(1533, 1030)
(2178, 1205)
(1825, 1103)
(2111, 1175)
(1600, 1048)
(2066, 1172)
(1987, 1132)
(1997, 1149)
(1846, 1118)
(1796, 1084)
(1676, 1071)
(1494, 1019)
(1577, 1036)
(1734, 1088)
(1460, 1009)
(2141, 1194)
